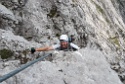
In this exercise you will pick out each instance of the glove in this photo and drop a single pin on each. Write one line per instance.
(33, 50)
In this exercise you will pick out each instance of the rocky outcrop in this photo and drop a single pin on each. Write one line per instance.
(35, 23)
(88, 67)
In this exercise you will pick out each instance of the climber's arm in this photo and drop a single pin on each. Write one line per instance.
(45, 48)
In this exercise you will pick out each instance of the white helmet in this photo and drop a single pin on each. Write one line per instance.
(64, 37)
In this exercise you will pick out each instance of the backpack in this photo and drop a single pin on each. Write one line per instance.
(71, 38)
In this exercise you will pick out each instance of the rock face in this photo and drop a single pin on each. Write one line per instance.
(98, 24)
(87, 67)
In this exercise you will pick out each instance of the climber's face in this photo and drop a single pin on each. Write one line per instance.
(64, 44)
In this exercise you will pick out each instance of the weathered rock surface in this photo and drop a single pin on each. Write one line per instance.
(98, 24)
(87, 67)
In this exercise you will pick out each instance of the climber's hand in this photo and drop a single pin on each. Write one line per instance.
(33, 50)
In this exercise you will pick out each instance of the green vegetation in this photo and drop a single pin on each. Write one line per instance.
(5, 53)
(115, 41)
(99, 8)
(57, 35)
(73, 0)
(53, 12)
(107, 20)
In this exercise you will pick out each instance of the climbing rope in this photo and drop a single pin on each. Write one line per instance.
(6, 76)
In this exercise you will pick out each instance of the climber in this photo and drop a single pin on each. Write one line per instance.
(65, 44)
